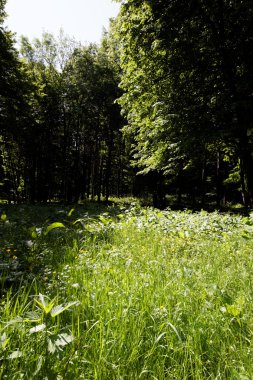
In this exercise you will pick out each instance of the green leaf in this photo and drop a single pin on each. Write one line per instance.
(53, 226)
(175, 330)
(39, 365)
(32, 316)
(42, 299)
(43, 304)
(4, 341)
(51, 346)
(234, 310)
(81, 221)
(56, 310)
(15, 320)
(37, 328)
(105, 221)
(71, 212)
(160, 337)
(63, 339)
(56, 342)
(34, 234)
(15, 354)
(60, 309)
(246, 235)
(181, 234)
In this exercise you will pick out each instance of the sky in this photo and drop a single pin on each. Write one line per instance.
(82, 19)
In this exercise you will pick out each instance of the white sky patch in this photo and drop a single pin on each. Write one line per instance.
(82, 19)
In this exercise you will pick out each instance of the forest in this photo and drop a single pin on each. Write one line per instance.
(126, 195)
(161, 109)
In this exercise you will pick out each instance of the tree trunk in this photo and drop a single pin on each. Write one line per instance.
(246, 170)
(108, 169)
(203, 183)
(219, 189)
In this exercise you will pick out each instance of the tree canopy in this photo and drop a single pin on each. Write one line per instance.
(187, 81)
(163, 105)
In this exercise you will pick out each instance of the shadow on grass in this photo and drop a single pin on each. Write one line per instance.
(28, 249)
(238, 210)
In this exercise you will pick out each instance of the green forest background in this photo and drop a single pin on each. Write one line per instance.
(161, 108)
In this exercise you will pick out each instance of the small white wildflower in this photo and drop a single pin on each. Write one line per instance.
(29, 243)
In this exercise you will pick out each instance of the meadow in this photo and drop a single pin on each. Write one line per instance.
(124, 292)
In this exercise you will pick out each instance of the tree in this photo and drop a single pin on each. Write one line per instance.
(91, 90)
(69, 145)
(60, 132)
(187, 79)
(12, 105)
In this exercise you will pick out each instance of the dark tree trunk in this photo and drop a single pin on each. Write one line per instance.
(203, 183)
(219, 188)
(108, 169)
(246, 170)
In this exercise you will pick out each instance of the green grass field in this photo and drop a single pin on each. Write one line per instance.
(123, 292)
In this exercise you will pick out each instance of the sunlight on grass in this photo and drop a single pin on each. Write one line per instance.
(126, 293)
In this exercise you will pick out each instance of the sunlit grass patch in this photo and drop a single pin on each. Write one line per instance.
(152, 295)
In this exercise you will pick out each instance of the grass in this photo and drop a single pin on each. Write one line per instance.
(124, 292)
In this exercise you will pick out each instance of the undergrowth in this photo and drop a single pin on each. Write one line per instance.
(124, 292)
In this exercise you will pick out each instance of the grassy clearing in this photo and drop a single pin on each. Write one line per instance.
(125, 293)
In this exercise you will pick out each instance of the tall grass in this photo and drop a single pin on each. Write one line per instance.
(137, 293)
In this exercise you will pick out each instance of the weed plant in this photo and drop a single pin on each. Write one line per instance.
(124, 292)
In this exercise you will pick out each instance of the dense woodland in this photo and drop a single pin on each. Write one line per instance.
(162, 107)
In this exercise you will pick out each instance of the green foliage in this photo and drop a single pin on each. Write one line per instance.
(52, 339)
(3, 217)
(184, 73)
(186, 77)
(52, 226)
(74, 124)
(58, 120)
(140, 292)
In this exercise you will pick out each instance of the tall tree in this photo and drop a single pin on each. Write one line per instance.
(75, 123)
(187, 82)
(12, 104)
